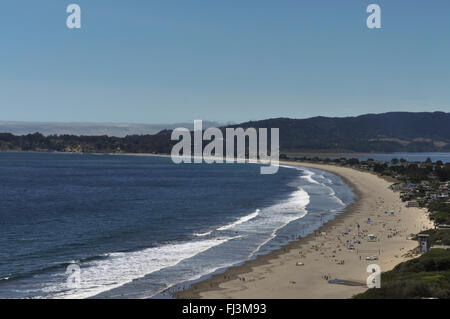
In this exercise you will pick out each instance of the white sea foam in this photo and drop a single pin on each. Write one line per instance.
(204, 272)
(203, 234)
(297, 202)
(286, 212)
(274, 218)
(329, 181)
(121, 268)
(309, 176)
(231, 225)
(333, 195)
(240, 220)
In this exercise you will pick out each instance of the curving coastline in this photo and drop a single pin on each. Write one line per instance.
(325, 253)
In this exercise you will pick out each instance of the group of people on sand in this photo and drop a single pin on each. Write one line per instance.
(326, 277)
(349, 239)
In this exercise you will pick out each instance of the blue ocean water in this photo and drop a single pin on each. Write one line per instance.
(136, 225)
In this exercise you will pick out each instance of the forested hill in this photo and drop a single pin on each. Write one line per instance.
(387, 132)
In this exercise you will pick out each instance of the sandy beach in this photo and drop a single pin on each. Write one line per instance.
(326, 254)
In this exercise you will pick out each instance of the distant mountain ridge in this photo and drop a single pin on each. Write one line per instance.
(386, 132)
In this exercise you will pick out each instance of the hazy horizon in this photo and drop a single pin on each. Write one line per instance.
(119, 129)
(209, 121)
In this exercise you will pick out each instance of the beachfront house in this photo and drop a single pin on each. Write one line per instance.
(399, 187)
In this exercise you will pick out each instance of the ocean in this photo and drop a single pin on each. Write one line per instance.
(138, 225)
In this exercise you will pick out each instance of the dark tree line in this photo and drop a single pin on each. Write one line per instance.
(159, 143)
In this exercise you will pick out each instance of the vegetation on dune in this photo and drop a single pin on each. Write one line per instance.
(425, 277)
(440, 212)
(438, 236)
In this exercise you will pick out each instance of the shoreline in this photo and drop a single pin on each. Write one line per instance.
(276, 276)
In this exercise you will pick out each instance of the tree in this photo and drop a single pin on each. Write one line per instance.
(443, 173)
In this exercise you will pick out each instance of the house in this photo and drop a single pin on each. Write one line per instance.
(425, 183)
(399, 187)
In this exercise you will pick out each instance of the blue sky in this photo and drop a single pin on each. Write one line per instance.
(171, 61)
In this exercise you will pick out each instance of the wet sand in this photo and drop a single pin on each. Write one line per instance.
(326, 254)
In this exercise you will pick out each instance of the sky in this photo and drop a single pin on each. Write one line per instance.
(221, 60)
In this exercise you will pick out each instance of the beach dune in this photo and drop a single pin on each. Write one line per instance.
(325, 254)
